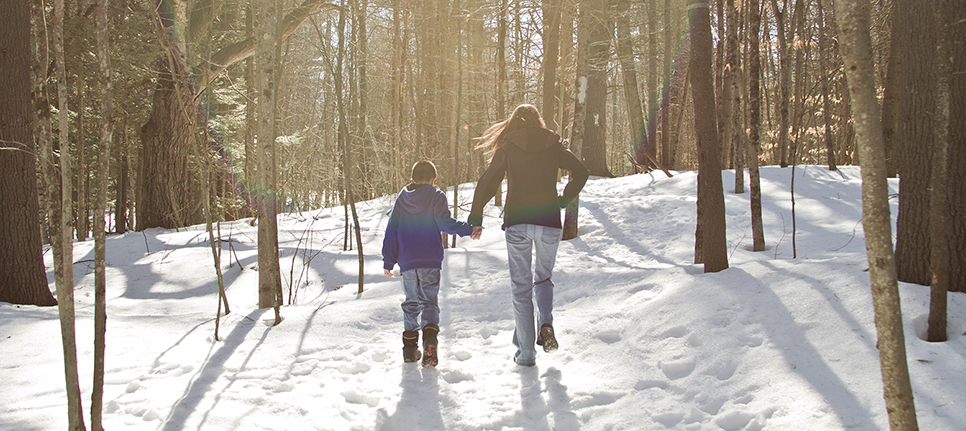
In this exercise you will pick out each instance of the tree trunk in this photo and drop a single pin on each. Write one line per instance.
(710, 194)
(892, 87)
(734, 68)
(754, 122)
(571, 213)
(955, 24)
(83, 225)
(123, 182)
(784, 72)
(625, 53)
(23, 278)
(856, 47)
(551, 44)
(100, 210)
(63, 235)
(269, 272)
(594, 149)
(916, 132)
(824, 49)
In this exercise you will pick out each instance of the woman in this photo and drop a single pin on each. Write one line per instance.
(528, 154)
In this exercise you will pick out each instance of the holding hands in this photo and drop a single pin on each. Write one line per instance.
(477, 231)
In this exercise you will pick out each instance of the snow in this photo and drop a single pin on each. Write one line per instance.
(648, 341)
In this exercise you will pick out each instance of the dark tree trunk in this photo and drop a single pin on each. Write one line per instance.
(754, 120)
(594, 149)
(916, 132)
(955, 24)
(23, 279)
(711, 205)
(734, 68)
(551, 45)
(625, 53)
(824, 49)
(168, 187)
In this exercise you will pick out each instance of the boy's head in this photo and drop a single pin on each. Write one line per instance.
(424, 172)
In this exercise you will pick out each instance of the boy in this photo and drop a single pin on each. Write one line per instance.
(413, 241)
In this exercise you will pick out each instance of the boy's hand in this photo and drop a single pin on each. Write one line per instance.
(477, 231)
(387, 272)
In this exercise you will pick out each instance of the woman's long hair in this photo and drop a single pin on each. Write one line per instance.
(525, 115)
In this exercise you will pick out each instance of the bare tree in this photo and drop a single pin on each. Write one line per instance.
(734, 68)
(594, 150)
(856, 46)
(269, 272)
(711, 205)
(100, 210)
(754, 120)
(62, 239)
(824, 65)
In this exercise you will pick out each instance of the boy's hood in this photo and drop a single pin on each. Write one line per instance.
(533, 139)
(415, 197)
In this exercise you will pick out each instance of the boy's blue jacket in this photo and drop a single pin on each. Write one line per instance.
(413, 238)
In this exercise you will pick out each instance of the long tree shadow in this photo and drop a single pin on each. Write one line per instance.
(209, 372)
(797, 349)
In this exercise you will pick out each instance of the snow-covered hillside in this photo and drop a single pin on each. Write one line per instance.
(648, 341)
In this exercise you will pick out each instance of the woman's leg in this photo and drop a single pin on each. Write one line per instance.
(519, 245)
(546, 240)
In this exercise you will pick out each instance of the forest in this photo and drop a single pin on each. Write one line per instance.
(127, 115)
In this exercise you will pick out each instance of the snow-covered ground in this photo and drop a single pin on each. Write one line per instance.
(648, 341)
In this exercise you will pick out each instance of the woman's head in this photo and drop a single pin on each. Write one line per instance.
(525, 115)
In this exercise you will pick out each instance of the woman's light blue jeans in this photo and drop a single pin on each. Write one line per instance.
(421, 286)
(526, 244)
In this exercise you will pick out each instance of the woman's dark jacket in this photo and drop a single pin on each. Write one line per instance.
(529, 159)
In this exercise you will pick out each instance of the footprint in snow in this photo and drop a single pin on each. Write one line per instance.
(354, 397)
(609, 336)
(677, 369)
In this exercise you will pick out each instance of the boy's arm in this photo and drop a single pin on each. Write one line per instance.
(445, 222)
(390, 244)
(487, 187)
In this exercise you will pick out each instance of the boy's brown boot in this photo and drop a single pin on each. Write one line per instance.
(430, 358)
(411, 346)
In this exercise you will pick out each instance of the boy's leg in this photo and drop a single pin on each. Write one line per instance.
(428, 295)
(410, 305)
(429, 304)
(519, 246)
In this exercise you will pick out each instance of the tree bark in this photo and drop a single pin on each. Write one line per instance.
(572, 212)
(63, 236)
(594, 149)
(734, 68)
(955, 24)
(23, 278)
(269, 272)
(784, 72)
(635, 114)
(824, 49)
(754, 120)
(856, 47)
(710, 193)
(551, 45)
(100, 210)
(916, 132)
